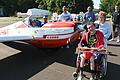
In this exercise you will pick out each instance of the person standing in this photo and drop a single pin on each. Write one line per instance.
(116, 24)
(65, 16)
(89, 15)
(103, 26)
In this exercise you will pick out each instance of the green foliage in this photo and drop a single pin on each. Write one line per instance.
(13, 6)
(108, 5)
(75, 6)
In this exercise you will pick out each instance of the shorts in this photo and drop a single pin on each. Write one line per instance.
(114, 27)
(88, 55)
(118, 30)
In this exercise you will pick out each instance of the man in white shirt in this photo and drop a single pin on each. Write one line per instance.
(104, 26)
(65, 16)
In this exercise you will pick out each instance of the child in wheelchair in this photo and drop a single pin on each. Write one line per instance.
(91, 39)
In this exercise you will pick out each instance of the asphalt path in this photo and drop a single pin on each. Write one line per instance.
(22, 61)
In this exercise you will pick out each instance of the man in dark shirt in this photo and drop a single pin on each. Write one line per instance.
(116, 24)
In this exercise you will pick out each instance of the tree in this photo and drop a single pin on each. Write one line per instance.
(75, 6)
(108, 5)
(13, 6)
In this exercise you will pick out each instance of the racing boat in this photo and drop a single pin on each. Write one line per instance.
(50, 35)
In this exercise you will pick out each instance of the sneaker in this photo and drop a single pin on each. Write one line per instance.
(74, 74)
(111, 39)
(62, 47)
(91, 78)
(118, 41)
(80, 78)
(67, 46)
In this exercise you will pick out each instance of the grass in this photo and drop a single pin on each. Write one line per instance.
(8, 20)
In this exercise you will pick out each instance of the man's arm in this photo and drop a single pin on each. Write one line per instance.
(83, 41)
(101, 40)
(109, 31)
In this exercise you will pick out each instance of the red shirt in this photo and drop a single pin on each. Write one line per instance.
(99, 39)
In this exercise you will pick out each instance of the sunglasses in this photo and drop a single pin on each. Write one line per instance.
(90, 26)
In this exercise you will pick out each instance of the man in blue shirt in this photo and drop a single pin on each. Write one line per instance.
(65, 16)
(89, 15)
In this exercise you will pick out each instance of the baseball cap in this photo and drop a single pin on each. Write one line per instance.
(45, 16)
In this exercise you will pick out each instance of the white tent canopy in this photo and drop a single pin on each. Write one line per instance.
(34, 12)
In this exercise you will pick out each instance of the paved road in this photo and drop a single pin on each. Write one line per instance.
(21, 61)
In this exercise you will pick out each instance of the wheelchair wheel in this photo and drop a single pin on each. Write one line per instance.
(103, 66)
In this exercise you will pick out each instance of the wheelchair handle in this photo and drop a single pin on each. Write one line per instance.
(85, 49)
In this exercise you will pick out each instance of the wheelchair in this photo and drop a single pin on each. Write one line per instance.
(100, 59)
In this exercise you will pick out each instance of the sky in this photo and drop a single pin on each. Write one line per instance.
(96, 4)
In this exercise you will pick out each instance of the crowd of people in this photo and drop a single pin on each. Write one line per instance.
(96, 36)
(100, 22)
(97, 29)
